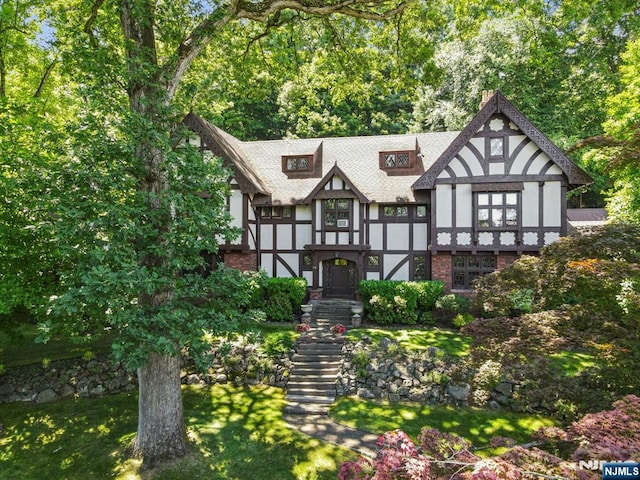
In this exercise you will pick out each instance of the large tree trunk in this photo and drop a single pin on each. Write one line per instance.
(161, 429)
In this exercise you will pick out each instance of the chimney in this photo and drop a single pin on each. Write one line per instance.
(486, 96)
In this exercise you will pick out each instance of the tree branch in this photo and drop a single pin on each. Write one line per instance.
(45, 77)
(89, 23)
(263, 11)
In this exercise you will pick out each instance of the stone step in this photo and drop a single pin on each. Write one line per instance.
(309, 374)
(296, 408)
(323, 385)
(311, 392)
(313, 361)
(313, 399)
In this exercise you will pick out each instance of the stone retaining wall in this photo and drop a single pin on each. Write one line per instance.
(242, 364)
(386, 371)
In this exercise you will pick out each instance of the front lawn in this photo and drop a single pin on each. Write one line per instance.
(476, 425)
(236, 433)
(449, 341)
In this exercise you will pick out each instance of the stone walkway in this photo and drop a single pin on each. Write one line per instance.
(324, 428)
(311, 391)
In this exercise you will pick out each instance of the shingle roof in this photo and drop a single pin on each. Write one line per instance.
(356, 157)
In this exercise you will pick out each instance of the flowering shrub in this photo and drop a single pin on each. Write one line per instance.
(302, 327)
(338, 329)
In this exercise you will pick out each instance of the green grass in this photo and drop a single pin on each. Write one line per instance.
(18, 346)
(236, 433)
(449, 341)
(573, 363)
(476, 425)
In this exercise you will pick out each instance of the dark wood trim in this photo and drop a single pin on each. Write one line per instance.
(335, 171)
(498, 187)
(277, 258)
(314, 247)
(499, 104)
(500, 178)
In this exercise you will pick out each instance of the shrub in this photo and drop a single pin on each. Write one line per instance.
(507, 292)
(462, 319)
(610, 435)
(277, 343)
(283, 297)
(448, 306)
(390, 301)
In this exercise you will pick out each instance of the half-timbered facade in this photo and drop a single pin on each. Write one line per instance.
(448, 206)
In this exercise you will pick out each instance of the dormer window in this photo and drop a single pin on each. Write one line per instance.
(298, 163)
(397, 160)
(303, 164)
(400, 162)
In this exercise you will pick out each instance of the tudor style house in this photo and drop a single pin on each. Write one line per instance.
(445, 206)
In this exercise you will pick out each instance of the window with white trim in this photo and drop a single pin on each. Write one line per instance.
(497, 210)
(336, 213)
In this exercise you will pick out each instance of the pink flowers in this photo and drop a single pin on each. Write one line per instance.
(302, 327)
(338, 329)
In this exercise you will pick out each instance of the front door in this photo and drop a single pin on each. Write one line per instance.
(340, 278)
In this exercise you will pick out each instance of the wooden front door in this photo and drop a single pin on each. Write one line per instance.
(340, 278)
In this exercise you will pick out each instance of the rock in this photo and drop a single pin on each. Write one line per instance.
(366, 394)
(459, 392)
(47, 395)
(6, 389)
(493, 405)
(505, 388)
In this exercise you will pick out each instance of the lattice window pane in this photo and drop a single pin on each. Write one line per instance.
(489, 262)
(286, 212)
(307, 260)
(373, 260)
(511, 215)
(330, 204)
(403, 159)
(330, 219)
(458, 280)
(403, 211)
(458, 262)
(303, 163)
(421, 211)
(343, 204)
(389, 211)
(473, 262)
(390, 160)
(291, 164)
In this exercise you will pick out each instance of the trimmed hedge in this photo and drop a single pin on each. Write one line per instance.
(393, 301)
(283, 297)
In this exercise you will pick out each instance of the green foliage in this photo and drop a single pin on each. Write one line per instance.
(390, 301)
(277, 343)
(509, 292)
(450, 305)
(584, 292)
(462, 319)
(283, 297)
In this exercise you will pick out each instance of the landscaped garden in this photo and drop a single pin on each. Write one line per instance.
(560, 331)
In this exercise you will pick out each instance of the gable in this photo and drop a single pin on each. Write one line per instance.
(500, 142)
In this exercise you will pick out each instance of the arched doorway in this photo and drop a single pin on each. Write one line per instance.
(339, 278)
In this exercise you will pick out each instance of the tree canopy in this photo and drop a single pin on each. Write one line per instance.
(106, 208)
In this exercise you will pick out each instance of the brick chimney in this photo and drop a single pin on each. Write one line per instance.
(486, 96)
